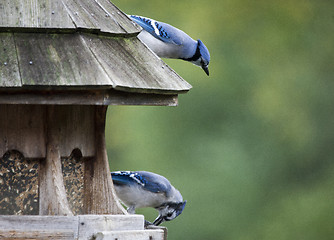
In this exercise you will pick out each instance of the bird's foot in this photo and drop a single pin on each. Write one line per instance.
(147, 223)
(131, 210)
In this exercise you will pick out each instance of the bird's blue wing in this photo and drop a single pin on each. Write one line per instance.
(145, 23)
(159, 30)
(149, 181)
(154, 182)
(126, 178)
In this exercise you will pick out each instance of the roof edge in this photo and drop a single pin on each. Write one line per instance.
(85, 97)
(150, 90)
(65, 31)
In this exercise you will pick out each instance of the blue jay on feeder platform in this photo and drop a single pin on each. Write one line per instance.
(146, 189)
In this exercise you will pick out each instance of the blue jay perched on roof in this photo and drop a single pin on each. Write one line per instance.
(169, 42)
(146, 189)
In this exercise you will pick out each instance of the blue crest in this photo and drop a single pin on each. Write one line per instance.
(204, 52)
(180, 208)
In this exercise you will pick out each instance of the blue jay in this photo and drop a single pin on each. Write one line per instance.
(169, 42)
(146, 189)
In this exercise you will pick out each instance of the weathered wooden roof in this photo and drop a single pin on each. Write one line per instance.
(77, 44)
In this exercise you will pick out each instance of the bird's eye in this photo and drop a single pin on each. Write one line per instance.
(170, 214)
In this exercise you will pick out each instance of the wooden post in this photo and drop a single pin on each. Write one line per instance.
(99, 196)
(53, 199)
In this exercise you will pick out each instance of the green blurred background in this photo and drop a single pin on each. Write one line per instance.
(252, 146)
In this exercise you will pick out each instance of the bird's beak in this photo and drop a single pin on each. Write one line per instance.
(206, 69)
(158, 220)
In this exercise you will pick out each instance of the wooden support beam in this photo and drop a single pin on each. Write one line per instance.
(82, 227)
(37, 234)
(99, 196)
(85, 97)
(53, 199)
(89, 225)
(130, 235)
(38, 227)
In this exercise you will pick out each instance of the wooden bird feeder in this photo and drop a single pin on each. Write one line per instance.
(62, 62)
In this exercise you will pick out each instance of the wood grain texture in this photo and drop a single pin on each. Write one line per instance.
(58, 60)
(99, 15)
(91, 224)
(84, 97)
(84, 44)
(53, 60)
(9, 70)
(58, 130)
(131, 235)
(118, 16)
(22, 128)
(75, 128)
(53, 199)
(81, 227)
(99, 197)
(37, 234)
(34, 14)
(164, 229)
(46, 225)
(133, 67)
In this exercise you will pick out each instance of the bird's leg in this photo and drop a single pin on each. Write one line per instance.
(132, 209)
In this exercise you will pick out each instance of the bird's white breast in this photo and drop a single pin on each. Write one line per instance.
(160, 48)
(135, 196)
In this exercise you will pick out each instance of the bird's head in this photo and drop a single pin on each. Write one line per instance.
(204, 59)
(169, 211)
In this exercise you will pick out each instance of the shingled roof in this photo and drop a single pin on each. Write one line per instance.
(78, 44)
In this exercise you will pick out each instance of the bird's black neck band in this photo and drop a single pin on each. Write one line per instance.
(195, 57)
(170, 204)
